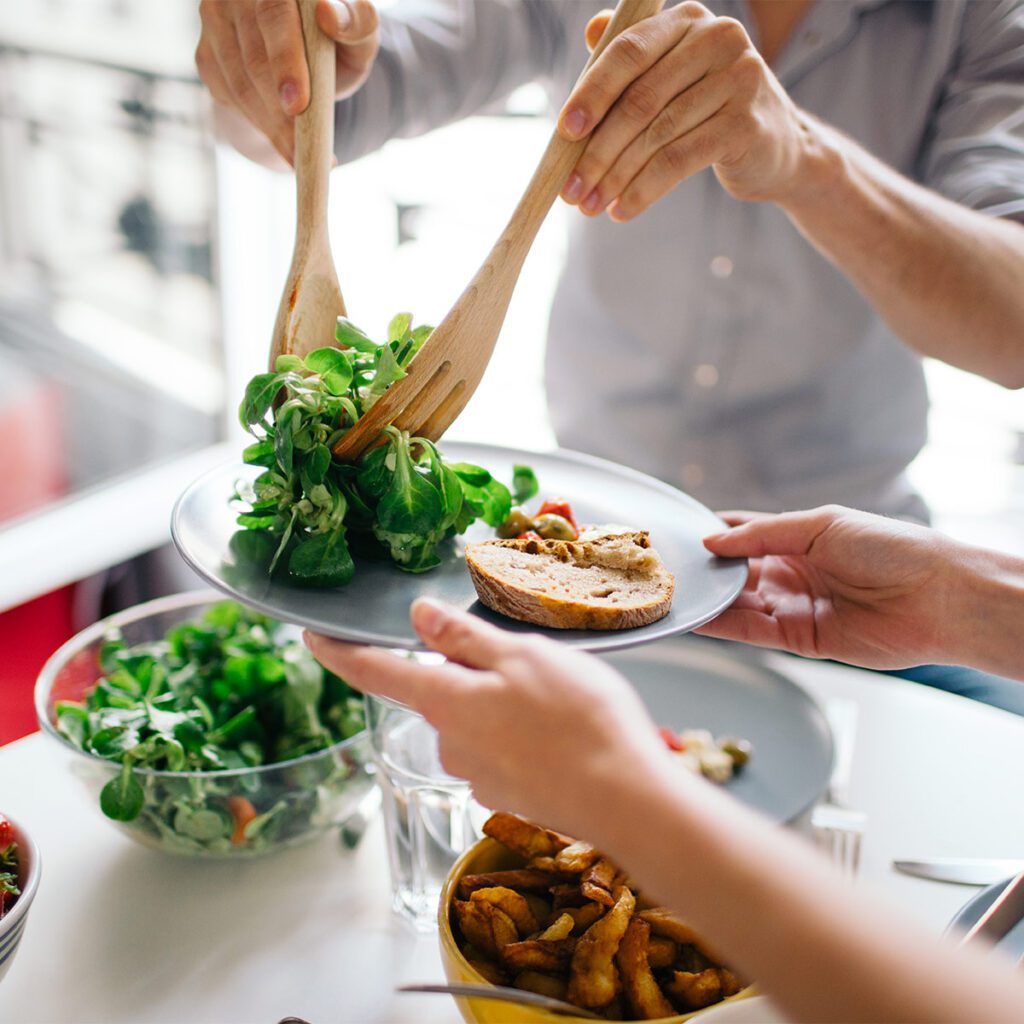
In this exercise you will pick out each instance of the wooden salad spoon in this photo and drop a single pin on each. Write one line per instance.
(447, 369)
(311, 304)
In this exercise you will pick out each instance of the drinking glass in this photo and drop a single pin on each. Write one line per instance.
(430, 817)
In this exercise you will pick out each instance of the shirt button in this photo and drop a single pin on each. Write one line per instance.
(693, 474)
(705, 375)
(721, 267)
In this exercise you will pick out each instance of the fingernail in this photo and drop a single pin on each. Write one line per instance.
(575, 123)
(342, 13)
(429, 616)
(591, 203)
(573, 189)
(289, 93)
(615, 211)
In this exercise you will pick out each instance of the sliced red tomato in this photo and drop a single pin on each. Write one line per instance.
(672, 740)
(558, 508)
(6, 833)
(530, 535)
(243, 812)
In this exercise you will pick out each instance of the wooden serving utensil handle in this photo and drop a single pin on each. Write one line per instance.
(314, 127)
(561, 155)
(312, 302)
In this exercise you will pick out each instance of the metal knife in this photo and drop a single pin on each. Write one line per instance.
(961, 870)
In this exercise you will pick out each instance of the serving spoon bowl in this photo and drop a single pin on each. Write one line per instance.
(447, 369)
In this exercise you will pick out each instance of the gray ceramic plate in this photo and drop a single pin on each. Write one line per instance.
(374, 608)
(695, 683)
(970, 914)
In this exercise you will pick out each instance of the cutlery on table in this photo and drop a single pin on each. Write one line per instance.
(506, 995)
(838, 829)
(961, 870)
(449, 366)
(1005, 913)
(311, 304)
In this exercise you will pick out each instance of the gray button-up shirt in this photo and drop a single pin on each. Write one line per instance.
(707, 342)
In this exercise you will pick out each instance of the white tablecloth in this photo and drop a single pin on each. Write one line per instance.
(119, 933)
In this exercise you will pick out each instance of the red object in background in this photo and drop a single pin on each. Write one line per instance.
(29, 634)
(32, 471)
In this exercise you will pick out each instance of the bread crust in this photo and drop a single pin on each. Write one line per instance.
(637, 595)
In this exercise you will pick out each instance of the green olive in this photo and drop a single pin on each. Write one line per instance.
(739, 750)
(554, 527)
(518, 522)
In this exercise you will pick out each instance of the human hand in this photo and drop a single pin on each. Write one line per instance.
(836, 583)
(252, 58)
(673, 94)
(536, 727)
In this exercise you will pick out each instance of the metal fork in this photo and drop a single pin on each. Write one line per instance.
(838, 828)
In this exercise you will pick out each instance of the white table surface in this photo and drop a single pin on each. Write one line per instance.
(119, 933)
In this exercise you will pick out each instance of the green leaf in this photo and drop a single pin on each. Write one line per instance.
(317, 463)
(333, 367)
(524, 484)
(399, 328)
(322, 561)
(473, 475)
(260, 454)
(288, 364)
(492, 502)
(260, 393)
(386, 371)
(348, 334)
(122, 797)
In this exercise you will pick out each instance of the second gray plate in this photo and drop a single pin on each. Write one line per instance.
(695, 683)
(374, 607)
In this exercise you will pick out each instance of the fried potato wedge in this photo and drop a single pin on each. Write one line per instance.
(520, 879)
(664, 922)
(512, 904)
(584, 916)
(695, 991)
(560, 928)
(593, 977)
(538, 955)
(576, 857)
(490, 970)
(638, 984)
(485, 925)
(524, 837)
(661, 952)
(598, 880)
(543, 984)
(567, 894)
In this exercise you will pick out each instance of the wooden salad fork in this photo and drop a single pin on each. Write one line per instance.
(311, 304)
(446, 371)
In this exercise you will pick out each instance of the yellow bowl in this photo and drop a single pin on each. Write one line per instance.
(488, 855)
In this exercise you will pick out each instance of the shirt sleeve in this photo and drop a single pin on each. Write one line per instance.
(975, 152)
(442, 60)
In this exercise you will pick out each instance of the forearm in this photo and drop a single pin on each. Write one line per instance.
(946, 279)
(781, 916)
(984, 626)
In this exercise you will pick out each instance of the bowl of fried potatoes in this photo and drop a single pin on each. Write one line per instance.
(530, 908)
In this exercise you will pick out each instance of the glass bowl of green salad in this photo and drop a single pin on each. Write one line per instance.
(205, 729)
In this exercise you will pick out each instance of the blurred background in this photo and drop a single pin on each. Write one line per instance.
(140, 271)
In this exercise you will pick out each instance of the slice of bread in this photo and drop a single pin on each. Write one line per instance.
(616, 581)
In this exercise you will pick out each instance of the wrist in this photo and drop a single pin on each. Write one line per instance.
(823, 167)
(985, 613)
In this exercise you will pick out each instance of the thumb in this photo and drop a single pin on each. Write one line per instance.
(347, 21)
(791, 533)
(595, 28)
(459, 636)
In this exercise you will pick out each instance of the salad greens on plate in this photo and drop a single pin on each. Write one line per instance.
(402, 500)
(223, 693)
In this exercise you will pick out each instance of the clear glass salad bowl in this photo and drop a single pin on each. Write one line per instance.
(190, 812)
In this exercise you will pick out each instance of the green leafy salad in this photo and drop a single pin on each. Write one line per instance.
(224, 691)
(9, 891)
(402, 500)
